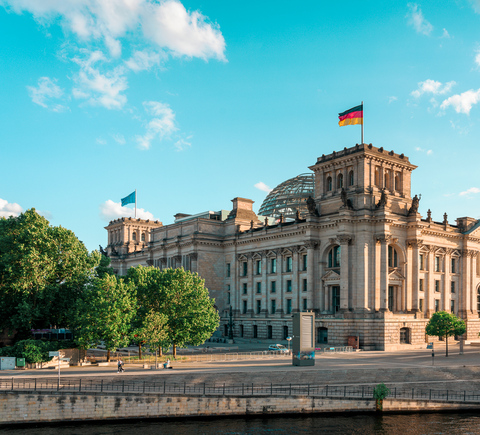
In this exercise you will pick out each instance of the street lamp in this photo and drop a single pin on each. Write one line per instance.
(289, 339)
(230, 324)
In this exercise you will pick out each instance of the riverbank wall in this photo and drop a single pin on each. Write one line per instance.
(54, 407)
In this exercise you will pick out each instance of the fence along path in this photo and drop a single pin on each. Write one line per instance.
(40, 386)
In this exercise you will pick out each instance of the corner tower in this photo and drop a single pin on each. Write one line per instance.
(360, 175)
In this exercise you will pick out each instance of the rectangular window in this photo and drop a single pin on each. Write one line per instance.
(255, 331)
(422, 262)
(437, 264)
(289, 306)
(244, 288)
(228, 270)
(259, 306)
(452, 306)
(228, 295)
(421, 287)
(336, 298)
(273, 265)
(304, 262)
(454, 266)
(437, 305)
(420, 305)
(288, 264)
(244, 307)
(452, 286)
(289, 285)
(273, 306)
(437, 285)
(244, 268)
(258, 267)
(273, 287)
(304, 304)
(259, 287)
(304, 285)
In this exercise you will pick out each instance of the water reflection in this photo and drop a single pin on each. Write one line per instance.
(417, 424)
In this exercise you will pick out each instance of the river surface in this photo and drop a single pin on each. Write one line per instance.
(445, 423)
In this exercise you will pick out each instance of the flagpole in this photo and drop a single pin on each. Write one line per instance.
(363, 112)
(136, 198)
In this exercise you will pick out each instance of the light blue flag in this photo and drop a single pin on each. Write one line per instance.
(128, 199)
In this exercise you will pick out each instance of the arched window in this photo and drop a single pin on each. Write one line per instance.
(329, 184)
(334, 257)
(143, 237)
(340, 181)
(134, 235)
(392, 257)
(350, 178)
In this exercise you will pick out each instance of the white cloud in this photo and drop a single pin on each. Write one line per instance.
(263, 187)
(421, 150)
(101, 141)
(46, 91)
(462, 103)
(417, 20)
(434, 87)
(113, 210)
(477, 58)
(445, 34)
(9, 209)
(166, 23)
(97, 88)
(475, 5)
(183, 143)
(161, 125)
(119, 138)
(470, 191)
(392, 99)
(143, 60)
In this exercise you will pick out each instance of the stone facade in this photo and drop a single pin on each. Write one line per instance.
(362, 257)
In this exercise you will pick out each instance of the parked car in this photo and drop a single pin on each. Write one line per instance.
(277, 348)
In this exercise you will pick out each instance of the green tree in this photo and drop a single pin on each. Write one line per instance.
(42, 271)
(181, 297)
(104, 312)
(443, 324)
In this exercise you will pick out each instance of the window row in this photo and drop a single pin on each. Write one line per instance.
(438, 264)
(273, 286)
(437, 285)
(273, 306)
(340, 184)
(272, 266)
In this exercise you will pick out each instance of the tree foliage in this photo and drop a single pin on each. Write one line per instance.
(34, 351)
(42, 271)
(180, 296)
(104, 312)
(444, 325)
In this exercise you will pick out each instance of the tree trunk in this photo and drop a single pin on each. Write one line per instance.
(174, 350)
(446, 343)
(139, 350)
(108, 355)
(160, 353)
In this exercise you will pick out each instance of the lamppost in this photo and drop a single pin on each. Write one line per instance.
(230, 324)
(289, 339)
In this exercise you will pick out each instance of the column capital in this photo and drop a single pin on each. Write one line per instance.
(384, 238)
(414, 243)
(345, 240)
(311, 244)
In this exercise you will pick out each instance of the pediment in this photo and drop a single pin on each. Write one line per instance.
(271, 254)
(455, 253)
(242, 257)
(257, 256)
(331, 275)
(287, 251)
(395, 275)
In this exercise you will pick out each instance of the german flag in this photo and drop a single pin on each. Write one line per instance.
(351, 116)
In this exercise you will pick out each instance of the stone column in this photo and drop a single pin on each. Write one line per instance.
(344, 272)
(295, 280)
(413, 276)
(447, 292)
(466, 290)
(384, 272)
(430, 283)
(474, 255)
(250, 286)
(311, 287)
(361, 285)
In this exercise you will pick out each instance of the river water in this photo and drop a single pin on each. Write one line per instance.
(428, 424)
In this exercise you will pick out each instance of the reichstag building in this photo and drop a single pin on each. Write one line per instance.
(345, 241)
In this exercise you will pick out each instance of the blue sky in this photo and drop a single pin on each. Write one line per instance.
(194, 103)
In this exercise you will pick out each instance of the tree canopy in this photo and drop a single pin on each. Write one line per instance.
(189, 315)
(444, 325)
(42, 270)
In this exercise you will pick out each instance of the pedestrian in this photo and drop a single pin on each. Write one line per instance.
(120, 366)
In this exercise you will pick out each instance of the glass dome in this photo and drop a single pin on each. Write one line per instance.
(288, 197)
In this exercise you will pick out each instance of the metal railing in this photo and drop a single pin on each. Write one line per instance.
(246, 389)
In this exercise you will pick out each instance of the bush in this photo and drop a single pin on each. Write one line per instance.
(380, 391)
(35, 351)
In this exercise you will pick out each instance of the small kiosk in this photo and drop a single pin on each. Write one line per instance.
(303, 343)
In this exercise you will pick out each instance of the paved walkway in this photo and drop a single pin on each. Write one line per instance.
(408, 368)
